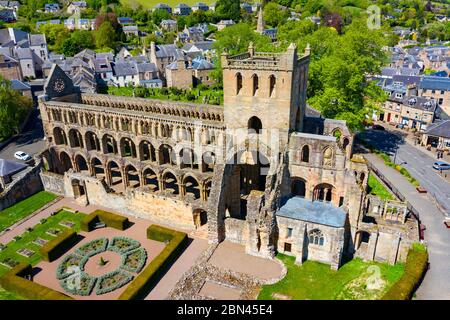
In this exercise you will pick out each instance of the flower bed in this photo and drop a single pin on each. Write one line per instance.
(112, 281)
(134, 260)
(69, 261)
(80, 284)
(93, 247)
(123, 244)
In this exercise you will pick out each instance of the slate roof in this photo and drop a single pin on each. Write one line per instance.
(167, 50)
(24, 53)
(313, 211)
(125, 68)
(421, 103)
(435, 83)
(439, 129)
(201, 45)
(147, 67)
(201, 64)
(37, 39)
(19, 85)
(8, 168)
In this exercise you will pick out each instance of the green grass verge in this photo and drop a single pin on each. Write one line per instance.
(24, 208)
(148, 4)
(7, 295)
(198, 95)
(39, 231)
(316, 281)
(376, 188)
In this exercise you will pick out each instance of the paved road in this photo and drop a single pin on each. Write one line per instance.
(418, 163)
(30, 141)
(436, 284)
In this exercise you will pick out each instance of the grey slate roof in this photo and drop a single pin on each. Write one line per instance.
(201, 45)
(167, 50)
(201, 64)
(37, 39)
(8, 168)
(439, 129)
(125, 68)
(435, 83)
(313, 211)
(19, 85)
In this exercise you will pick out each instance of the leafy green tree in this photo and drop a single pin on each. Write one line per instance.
(228, 9)
(159, 15)
(274, 15)
(13, 109)
(105, 36)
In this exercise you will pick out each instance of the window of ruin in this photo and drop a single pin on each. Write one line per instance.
(287, 247)
(255, 84)
(254, 123)
(316, 237)
(298, 188)
(305, 154)
(272, 82)
(238, 83)
(289, 232)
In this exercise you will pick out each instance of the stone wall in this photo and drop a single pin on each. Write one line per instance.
(25, 184)
(53, 182)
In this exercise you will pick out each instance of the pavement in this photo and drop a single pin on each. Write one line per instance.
(436, 284)
(29, 141)
(416, 161)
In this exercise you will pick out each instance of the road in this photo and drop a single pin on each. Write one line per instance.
(418, 163)
(29, 141)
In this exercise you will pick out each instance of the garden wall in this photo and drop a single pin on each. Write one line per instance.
(53, 183)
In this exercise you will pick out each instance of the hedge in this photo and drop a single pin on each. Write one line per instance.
(158, 266)
(55, 248)
(13, 281)
(110, 219)
(415, 268)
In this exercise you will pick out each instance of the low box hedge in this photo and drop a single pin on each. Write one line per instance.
(55, 248)
(150, 276)
(415, 268)
(13, 281)
(110, 219)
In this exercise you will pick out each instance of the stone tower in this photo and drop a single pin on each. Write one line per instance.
(260, 25)
(265, 92)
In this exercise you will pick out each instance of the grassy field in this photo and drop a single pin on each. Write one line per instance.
(316, 281)
(39, 231)
(378, 189)
(147, 4)
(20, 210)
(6, 295)
(208, 95)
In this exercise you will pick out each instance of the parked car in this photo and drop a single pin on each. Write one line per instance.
(400, 126)
(22, 156)
(378, 127)
(441, 165)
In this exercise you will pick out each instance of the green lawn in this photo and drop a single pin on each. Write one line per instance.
(39, 231)
(20, 210)
(148, 4)
(6, 295)
(203, 95)
(378, 189)
(316, 281)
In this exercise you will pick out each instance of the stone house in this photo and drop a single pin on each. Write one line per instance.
(222, 24)
(436, 88)
(163, 6)
(131, 30)
(200, 6)
(163, 55)
(169, 25)
(76, 6)
(438, 135)
(9, 67)
(182, 9)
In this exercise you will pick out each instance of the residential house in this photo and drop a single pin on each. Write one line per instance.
(22, 87)
(438, 135)
(437, 88)
(9, 66)
(201, 72)
(70, 24)
(163, 55)
(203, 48)
(131, 30)
(246, 7)
(222, 24)
(125, 21)
(163, 6)
(182, 9)
(76, 6)
(51, 7)
(194, 34)
(200, 6)
(7, 15)
(169, 25)
(131, 73)
(38, 44)
(83, 24)
(179, 74)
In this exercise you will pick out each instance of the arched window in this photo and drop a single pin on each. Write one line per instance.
(255, 84)
(272, 82)
(316, 237)
(305, 154)
(238, 82)
(255, 123)
(327, 157)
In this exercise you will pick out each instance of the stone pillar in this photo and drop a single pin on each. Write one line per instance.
(300, 235)
(393, 254)
(372, 246)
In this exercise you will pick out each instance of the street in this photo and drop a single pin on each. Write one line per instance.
(30, 141)
(418, 163)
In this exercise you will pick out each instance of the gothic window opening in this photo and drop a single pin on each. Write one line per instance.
(255, 84)
(305, 154)
(272, 83)
(316, 237)
(238, 83)
(254, 124)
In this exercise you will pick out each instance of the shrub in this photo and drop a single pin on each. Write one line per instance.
(123, 244)
(86, 284)
(156, 268)
(110, 219)
(92, 247)
(416, 265)
(105, 285)
(13, 281)
(138, 256)
(53, 249)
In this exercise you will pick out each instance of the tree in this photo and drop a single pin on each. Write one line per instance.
(228, 9)
(105, 36)
(274, 15)
(159, 15)
(13, 109)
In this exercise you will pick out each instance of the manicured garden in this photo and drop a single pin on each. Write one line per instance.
(24, 208)
(201, 94)
(378, 189)
(316, 281)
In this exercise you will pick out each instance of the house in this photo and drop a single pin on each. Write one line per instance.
(163, 55)
(38, 44)
(179, 74)
(204, 48)
(200, 6)
(22, 87)
(125, 21)
(51, 7)
(131, 30)
(132, 73)
(163, 6)
(84, 24)
(7, 15)
(103, 70)
(194, 34)
(12, 36)
(9, 67)
(182, 9)
(201, 72)
(437, 88)
(213, 6)
(30, 63)
(438, 135)
(76, 6)
(222, 24)
(169, 25)
(70, 24)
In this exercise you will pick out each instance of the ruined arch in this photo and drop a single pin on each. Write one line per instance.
(66, 162)
(81, 163)
(59, 136)
(109, 144)
(166, 155)
(170, 182)
(305, 153)
(188, 159)
(238, 83)
(97, 168)
(132, 176)
(255, 84)
(127, 147)
(254, 124)
(324, 192)
(75, 139)
(114, 173)
(92, 142)
(147, 151)
(150, 179)
(298, 187)
(191, 186)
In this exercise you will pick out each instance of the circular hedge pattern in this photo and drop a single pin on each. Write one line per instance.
(75, 280)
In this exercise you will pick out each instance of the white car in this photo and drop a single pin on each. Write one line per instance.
(22, 156)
